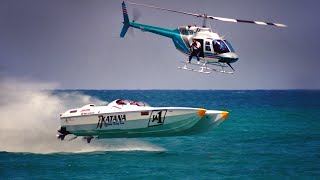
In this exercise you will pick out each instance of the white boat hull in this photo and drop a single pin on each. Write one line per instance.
(151, 122)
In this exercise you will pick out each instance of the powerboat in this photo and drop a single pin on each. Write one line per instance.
(130, 119)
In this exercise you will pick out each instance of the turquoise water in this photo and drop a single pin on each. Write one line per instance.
(268, 134)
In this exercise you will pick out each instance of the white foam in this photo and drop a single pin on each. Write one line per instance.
(29, 119)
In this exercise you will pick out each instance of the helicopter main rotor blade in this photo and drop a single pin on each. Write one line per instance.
(246, 21)
(205, 16)
(155, 7)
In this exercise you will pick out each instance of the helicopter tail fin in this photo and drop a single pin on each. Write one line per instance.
(126, 23)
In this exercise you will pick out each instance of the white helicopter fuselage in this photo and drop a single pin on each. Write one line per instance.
(214, 49)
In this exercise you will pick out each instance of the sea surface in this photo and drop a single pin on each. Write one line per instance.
(269, 134)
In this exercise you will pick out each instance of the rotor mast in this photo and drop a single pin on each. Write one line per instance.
(205, 16)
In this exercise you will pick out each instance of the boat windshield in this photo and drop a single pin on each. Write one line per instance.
(222, 46)
(140, 103)
(129, 102)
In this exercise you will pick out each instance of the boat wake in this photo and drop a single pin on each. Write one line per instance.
(30, 117)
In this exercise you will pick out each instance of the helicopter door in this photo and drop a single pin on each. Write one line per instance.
(201, 48)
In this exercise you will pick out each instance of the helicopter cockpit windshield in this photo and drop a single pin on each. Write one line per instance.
(222, 46)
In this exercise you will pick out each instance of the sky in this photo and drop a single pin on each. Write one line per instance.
(76, 44)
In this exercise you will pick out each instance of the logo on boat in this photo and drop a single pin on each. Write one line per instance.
(157, 118)
(111, 120)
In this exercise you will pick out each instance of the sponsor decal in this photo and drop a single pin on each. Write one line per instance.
(144, 113)
(112, 120)
(87, 113)
(83, 110)
(157, 118)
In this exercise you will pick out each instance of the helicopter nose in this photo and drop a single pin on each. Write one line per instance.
(229, 57)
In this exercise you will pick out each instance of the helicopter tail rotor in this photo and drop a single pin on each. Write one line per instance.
(136, 14)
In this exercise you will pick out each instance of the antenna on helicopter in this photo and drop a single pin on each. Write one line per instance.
(205, 17)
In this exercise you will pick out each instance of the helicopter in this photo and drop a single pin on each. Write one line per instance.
(215, 51)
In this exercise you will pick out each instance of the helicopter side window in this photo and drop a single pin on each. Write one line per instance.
(208, 46)
(185, 31)
(220, 46)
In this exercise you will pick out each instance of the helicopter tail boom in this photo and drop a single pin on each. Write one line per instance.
(143, 27)
(126, 22)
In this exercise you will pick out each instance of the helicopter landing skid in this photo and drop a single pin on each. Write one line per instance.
(204, 68)
(201, 70)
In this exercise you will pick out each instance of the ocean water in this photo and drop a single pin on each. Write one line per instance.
(268, 134)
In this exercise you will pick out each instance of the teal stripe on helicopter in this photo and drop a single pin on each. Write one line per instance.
(180, 43)
(157, 30)
(173, 34)
(211, 55)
